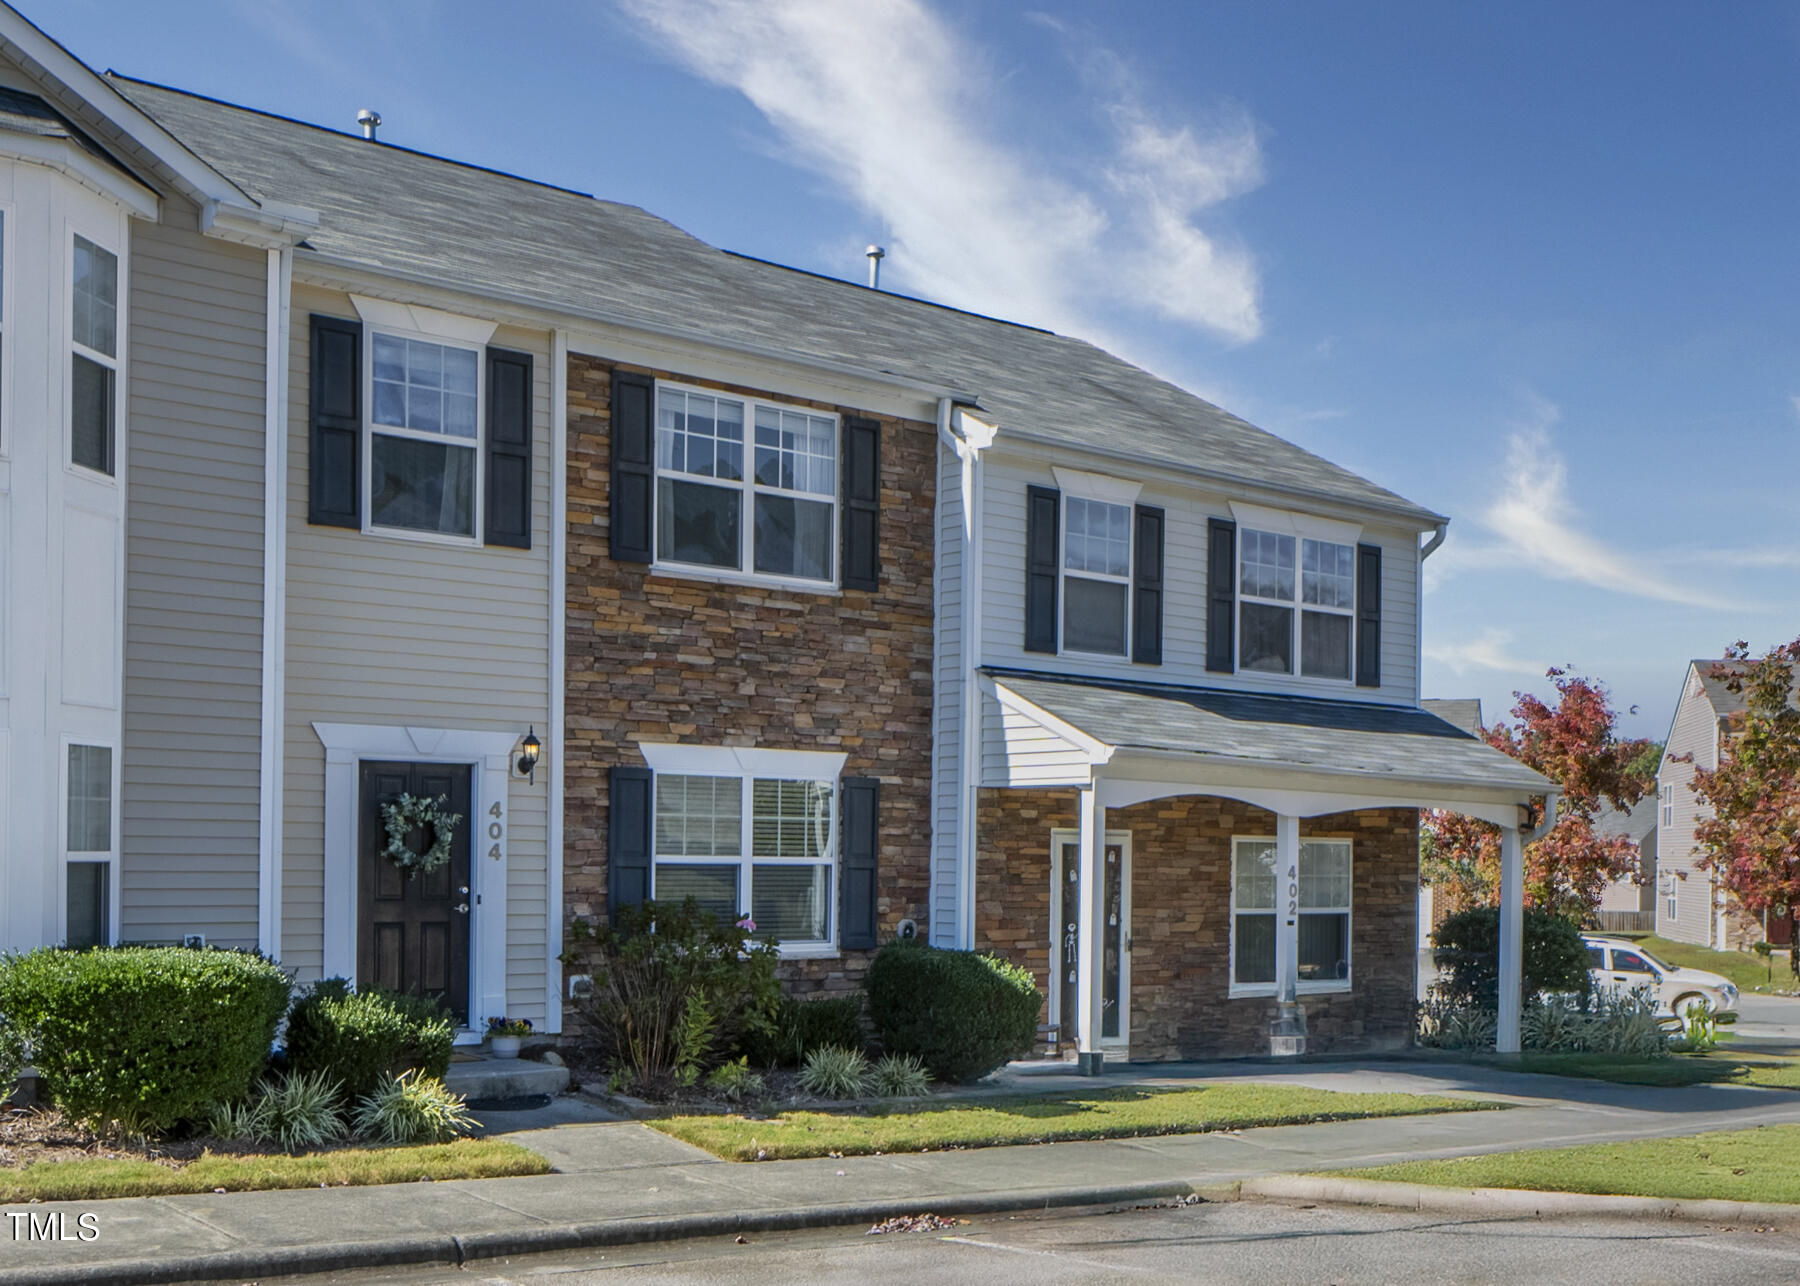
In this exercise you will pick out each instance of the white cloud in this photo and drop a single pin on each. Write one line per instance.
(1488, 651)
(1536, 523)
(884, 98)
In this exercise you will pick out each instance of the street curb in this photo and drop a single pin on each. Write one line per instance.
(455, 1251)
(1512, 1201)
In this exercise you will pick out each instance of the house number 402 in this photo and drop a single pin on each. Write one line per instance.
(495, 830)
(1293, 890)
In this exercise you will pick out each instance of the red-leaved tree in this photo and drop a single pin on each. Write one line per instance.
(1573, 743)
(1751, 839)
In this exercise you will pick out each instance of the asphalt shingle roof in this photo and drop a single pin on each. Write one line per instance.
(1634, 823)
(1305, 732)
(410, 214)
(1464, 712)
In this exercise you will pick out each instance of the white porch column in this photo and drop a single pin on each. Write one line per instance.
(1092, 848)
(1512, 938)
(1287, 1033)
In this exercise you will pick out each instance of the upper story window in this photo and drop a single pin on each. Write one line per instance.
(1276, 624)
(424, 435)
(1668, 804)
(1096, 576)
(94, 362)
(777, 517)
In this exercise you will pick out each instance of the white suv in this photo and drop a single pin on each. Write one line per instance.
(1620, 965)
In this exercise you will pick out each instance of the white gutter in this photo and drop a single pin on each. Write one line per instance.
(274, 632)
(555, 734)
(1443, 529)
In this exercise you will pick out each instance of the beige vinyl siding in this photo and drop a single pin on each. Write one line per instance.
(391, 631)
(1186, 512)
(193, 597)
(946, 698)
(1692, 733)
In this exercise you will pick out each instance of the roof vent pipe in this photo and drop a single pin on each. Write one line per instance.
(370, 121)
(876, 255)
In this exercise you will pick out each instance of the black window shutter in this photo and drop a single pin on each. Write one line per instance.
(1368, 616)
(860, 558)
(1221, 594)
(1147, 588)
(632, 529)
(1043, 556)
(334, 494)
(860, 848)
(509, 448)
(628, 824)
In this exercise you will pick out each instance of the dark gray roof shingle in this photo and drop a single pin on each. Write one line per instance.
(1464, 712)
(1307, 732)
(407, 213)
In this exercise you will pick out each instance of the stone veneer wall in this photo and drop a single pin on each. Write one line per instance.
(676, 659)
(1181, 911)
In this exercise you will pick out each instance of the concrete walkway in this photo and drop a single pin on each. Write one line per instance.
(622, 1181)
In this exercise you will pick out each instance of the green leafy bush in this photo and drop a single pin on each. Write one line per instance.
(1625, 1022)
(299, 1110)
(734, 1081)
(831, 1072)
(675, 989)
(1555, 1026)
(1448, 1024)
(361, 1039)
(960, 1013)
(801, 1026)
(1467, 948)
(900, 1076)
(141, 1038)
(410, 1108)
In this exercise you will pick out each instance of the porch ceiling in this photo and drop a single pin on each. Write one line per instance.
(1300, 736)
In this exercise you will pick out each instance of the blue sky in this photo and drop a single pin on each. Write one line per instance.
(1532, 265)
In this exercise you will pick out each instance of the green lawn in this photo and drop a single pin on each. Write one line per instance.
(1746, 970)
(1723, 1066)
(1735, 1165)
(91, 1180)
(1100, 1114)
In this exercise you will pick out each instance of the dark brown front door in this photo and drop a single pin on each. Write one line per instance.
(413, 932)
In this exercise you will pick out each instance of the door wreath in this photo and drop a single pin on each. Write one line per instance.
(411, 813)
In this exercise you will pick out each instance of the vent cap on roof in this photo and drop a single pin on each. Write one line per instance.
(876, 254)
(370, 120)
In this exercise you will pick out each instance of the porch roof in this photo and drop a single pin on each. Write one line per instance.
(1308, 735)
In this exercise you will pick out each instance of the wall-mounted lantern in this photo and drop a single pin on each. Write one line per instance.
(528, 761)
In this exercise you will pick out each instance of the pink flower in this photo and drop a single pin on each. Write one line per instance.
(747, 924)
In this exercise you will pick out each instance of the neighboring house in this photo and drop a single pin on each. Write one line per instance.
(1627, 905)
(1691, 905)
(854, 614)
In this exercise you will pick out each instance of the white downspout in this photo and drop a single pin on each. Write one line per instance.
(968, 774)
(274, 624)
(1437, 538)
(555, 735)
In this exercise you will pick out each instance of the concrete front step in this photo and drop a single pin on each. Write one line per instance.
(490, 1078)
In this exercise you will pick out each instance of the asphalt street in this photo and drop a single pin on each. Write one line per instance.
(1239, 1242)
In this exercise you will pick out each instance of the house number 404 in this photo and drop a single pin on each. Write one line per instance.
(495, 830)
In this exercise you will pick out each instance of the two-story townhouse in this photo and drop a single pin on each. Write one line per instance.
(850, 613)
(1691, 904)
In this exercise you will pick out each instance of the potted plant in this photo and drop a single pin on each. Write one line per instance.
(504, 1035)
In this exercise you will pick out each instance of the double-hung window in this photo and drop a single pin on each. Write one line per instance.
(1668, 804)
(88, 845)
(1278, 600)
(745, 486)
(1096, 576)
(751, 846)
(424, 435)
(1670, 904)
(1323, 911)
(94, 359)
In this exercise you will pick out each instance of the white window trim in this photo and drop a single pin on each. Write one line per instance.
(747, 763)
(1093, 487)
(113, 245)
(1236, 990)
(744, 573)
(477, 444)
(110, 858)
(1295, 606)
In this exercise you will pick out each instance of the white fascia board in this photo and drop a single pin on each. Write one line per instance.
(1097, 751)
(81, 166)
(743, 761)
(386, 315)
(203, 181)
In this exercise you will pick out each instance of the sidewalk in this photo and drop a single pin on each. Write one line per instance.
(621, 1182)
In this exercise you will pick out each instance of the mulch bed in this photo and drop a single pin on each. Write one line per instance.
(32, 1134)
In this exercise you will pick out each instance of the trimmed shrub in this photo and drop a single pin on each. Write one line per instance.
(900, 1076)
(801, 1026)
(831, 1072)
(362, 1039)
(1467, 947)
(298, 1110)
(960, 1013)
(676, 989)
(410, 1108)
(734, 1081)
(141, 1038)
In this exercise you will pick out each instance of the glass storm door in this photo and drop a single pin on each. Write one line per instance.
(1115, 941)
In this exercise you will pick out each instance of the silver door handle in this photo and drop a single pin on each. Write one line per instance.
(462, 907)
